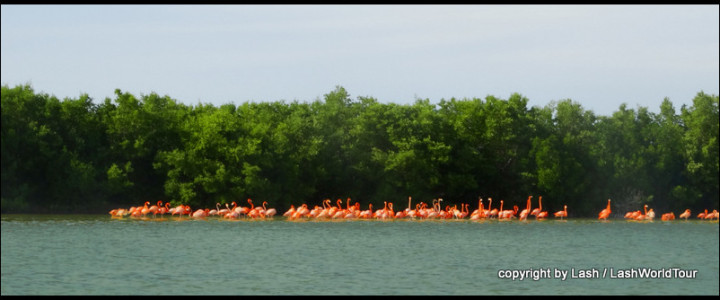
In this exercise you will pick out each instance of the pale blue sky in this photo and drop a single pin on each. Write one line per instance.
(599, 56)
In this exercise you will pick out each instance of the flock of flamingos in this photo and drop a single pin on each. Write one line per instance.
(328, 211)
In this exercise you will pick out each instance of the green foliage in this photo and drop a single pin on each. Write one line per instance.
(77, 156)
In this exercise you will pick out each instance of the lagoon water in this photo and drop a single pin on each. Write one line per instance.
(100, 255)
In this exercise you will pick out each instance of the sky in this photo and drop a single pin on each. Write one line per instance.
(599, 56)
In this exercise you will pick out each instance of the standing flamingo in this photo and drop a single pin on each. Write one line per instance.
(501, 213)
(491, 213)
(650, 215)
(563, 213)
(141, 211)
(507, 214)
(164, 209)
(290, 211)
(367, 214)
(269, 212)
(525, 212)
(641, 216)
(541, 214)
(479, 212)
(712, 215)
(301, 211)
(605, 213)
(685, 215)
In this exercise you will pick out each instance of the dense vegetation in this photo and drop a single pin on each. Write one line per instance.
(78, 156)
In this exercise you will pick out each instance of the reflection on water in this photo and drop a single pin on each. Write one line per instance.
(98, 255)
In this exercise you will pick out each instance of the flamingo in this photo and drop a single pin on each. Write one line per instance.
(641, 216)
(465, 211)
(501, 213)
(325, 212)
(404, 213)
(224, 211)
(650, 215)
(524, 213)
(540, 214)
(154, 209)
(231, 214)
(713, 215)
(382, 213)
(432, 213)
(367, 214)
(300, 212)
(445, 214)
(333, 211)
(633, 214)
(562, 214)
(479, 212)
(214, 211)
(177, 210)
(241, 210)
(200, 213)
(141, 211)
(668, 216)
(702, 215)
(269, 212)
(290, 211)
(685, 215)
(490, 213)
(605, 213)
(164, 209)
(400, 215)
(352, 211)
(254, 212)
(119, 212)
(508, 213)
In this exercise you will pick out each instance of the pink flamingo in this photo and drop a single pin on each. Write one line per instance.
(562, 214)
(367, 214)
(605, 213)
(641, 216)
(200, 213)
(668, 216)
(702, 215)
(269, 212)
(492, 212)
(479, 213)
(164, 209)
(290, 211)
(541, 214)
(712, 215)
(685, 215)
(525, 212)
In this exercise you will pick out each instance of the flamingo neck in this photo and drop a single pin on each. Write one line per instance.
(540, 203)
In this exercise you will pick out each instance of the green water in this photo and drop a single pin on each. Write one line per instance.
(98, 255)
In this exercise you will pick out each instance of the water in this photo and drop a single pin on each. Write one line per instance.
(98, 255)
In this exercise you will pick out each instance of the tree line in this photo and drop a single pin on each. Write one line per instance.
(76, 156)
